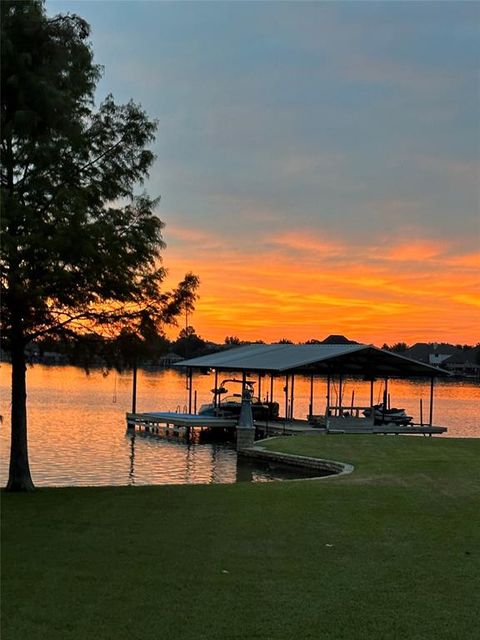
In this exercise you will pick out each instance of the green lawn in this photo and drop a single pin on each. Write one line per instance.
(390, 551)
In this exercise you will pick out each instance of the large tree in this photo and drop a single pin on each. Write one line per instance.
(80, 249)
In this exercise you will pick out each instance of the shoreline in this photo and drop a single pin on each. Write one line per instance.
(334, 468)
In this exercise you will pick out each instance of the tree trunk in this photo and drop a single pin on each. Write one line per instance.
(19, 478)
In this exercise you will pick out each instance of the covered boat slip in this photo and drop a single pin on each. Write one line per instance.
(332, 362)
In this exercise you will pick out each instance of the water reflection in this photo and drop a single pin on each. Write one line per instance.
(131, 471)
(258, 471)
(161, 459)
(207, 463)
(77, 429)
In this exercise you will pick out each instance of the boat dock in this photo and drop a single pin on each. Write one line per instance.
(327, 363)
(157, 421)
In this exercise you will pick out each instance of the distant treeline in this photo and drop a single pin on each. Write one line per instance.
(122, 352)
(402, 347)
(91, 351)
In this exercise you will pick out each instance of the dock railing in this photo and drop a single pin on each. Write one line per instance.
(346, 416)
(346, 410)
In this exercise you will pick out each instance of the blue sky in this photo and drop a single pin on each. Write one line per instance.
(348, 123)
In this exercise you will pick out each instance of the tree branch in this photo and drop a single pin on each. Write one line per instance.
(102, 155)
(57, 188)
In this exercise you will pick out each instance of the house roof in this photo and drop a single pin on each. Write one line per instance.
(337, 339)
(462, 356)
(422, 350)
(351, 359)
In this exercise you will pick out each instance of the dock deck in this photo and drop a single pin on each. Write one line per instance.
(158, 419)
(293, 427)
(170, 418)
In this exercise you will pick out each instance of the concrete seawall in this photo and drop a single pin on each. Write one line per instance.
(306, 462)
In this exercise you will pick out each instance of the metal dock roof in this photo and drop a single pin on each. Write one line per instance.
(354, 359)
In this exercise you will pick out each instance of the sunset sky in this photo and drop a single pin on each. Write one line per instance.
(318, 162)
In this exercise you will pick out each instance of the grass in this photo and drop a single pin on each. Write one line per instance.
(390, 551)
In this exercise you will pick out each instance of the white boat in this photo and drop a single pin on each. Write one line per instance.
(388, 416)
(230, 405)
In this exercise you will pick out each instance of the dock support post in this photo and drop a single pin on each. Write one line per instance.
(245, 437)
(245, 428)
(432, 381)
(385, 400)
(215, 395)
(372, 400)
(190, 375)
(260, 387)
(292, 396)
(310, 408)
(134, 389)
(286, 402)
(271, 387)
(340, 394)
(268, 417)
(327, 410)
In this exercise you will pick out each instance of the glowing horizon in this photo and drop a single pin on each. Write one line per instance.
(374, 296)
(318, 162)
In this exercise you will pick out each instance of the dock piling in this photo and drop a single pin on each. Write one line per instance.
(134, 389)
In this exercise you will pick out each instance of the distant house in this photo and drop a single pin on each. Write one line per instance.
(464, 362)
(53, 357)
(431, 353)
(169, 358)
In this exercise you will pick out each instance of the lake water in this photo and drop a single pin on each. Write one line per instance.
(78, 436)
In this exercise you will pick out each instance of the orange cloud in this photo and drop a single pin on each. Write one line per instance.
(468, 260)
(413, 250)
(466, 298)
(306, 242)
(301, 285)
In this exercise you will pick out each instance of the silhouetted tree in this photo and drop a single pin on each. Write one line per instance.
(80, 250)
(398, 347)
(188, 343)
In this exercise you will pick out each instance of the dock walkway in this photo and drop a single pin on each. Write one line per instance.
(159, 419)
(170, 418)
(293, 427)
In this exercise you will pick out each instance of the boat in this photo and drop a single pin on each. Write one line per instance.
(382, 415)
(230, 405)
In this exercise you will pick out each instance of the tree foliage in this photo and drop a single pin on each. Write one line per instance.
(398, 347)
(80, 247)
(188, 343)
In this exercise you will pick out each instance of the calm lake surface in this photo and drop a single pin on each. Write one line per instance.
(78, 436)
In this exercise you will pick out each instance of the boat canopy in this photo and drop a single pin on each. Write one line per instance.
(343, 359)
